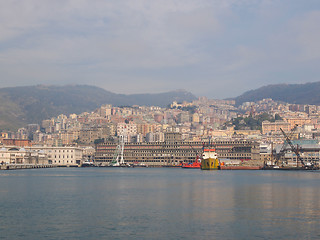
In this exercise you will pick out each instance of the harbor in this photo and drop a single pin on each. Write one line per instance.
(158, 203)
(172, 153)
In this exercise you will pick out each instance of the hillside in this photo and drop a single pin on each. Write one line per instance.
(32, 104)
(308, 93)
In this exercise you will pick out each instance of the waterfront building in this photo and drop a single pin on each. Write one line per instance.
(88, 153)
(61, 156)
(309, 151)
(173, 151)
(266, 152)
(20, 155)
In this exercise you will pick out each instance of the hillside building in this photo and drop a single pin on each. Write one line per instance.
(274, 127)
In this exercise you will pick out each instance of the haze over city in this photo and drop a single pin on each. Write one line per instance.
(217, 49)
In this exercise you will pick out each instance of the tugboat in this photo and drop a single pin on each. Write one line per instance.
(210, 159)
(195, 164)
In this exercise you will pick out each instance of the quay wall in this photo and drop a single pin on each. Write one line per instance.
(25, 166)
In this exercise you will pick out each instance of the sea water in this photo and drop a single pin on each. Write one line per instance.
(158, 203)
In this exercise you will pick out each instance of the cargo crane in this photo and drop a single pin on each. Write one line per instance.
(117, 159)
(293, 148)
(195, 151)
(284, 146)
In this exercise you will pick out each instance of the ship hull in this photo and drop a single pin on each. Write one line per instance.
(192, 166)
(210, 164)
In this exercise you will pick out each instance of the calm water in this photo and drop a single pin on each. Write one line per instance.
(153, 203)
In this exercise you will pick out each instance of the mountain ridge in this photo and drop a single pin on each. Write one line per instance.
(32, 104)
(306, 93)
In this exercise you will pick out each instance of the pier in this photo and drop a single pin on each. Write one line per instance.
(25, 166)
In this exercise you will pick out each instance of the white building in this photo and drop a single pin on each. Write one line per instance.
(19, 155)
(61, 156)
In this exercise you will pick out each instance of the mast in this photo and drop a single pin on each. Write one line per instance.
(122, 148)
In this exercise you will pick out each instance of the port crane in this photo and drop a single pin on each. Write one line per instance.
(294, 149)
(284, 146)
(195, 151)
(117, 159)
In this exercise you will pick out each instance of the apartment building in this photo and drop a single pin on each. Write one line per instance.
(274, 127)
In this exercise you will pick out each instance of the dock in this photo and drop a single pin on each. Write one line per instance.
(240, 167)
(25, 166)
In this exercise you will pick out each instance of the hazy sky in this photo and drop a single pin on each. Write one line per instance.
(213, 48)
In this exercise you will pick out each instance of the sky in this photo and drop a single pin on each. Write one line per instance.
(213, 48)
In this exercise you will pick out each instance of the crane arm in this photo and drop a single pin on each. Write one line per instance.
(293, 148)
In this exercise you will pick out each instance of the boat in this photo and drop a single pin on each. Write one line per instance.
(139, 164)
(290, 168)
(87, 164)
(196, 164)
(210, 159)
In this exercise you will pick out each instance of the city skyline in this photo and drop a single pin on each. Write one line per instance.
(217, 49)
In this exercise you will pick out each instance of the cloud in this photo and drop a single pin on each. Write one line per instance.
(134, 35)
(307, 34)
(138, 45)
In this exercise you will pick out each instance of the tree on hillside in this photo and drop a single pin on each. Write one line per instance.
(251, 122)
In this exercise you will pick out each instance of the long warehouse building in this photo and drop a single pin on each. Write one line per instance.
(173, 151)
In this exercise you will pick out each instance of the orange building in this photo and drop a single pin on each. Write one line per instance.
(17, 142)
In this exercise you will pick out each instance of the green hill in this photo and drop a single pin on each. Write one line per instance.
(32, 104)
(308, 93)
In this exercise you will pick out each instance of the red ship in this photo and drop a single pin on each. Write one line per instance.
(195, 164)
